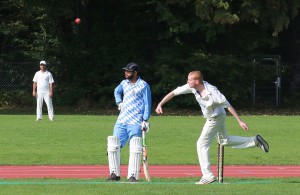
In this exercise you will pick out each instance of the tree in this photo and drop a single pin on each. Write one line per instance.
(167, 38)
(270, 14)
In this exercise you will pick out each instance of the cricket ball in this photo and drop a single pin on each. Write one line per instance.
(77, 20)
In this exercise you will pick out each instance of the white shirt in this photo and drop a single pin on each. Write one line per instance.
(43, 79)
(212, 104)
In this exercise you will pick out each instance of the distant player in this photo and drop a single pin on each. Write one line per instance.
(212, 104)
(43, 90)
(133, 97)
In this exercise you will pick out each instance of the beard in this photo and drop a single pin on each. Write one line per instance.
(130, 77)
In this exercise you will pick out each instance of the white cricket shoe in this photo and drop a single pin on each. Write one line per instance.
(204, 181)
(38, 119)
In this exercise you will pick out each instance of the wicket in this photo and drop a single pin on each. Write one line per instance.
(220, 160)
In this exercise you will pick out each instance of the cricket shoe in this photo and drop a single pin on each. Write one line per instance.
(113, 177)
(132, 179)
(262, 143)
(204, 181)
(38, 119)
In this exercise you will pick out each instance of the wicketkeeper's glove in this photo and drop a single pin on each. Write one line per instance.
(146, 126)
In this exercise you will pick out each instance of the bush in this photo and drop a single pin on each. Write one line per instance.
(16, 98)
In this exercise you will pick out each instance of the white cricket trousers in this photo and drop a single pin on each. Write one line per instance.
(48, 100)
(215, 127)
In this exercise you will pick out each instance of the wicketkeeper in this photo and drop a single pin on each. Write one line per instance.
(133, 97)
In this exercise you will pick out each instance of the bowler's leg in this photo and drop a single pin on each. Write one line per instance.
(203, 145)
(241, 142)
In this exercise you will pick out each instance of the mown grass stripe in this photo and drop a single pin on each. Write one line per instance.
(116, 183)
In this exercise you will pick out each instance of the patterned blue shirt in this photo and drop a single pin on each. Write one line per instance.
(136, 101)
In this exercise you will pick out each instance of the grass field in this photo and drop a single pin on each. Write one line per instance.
(157, 186)
(81, 139)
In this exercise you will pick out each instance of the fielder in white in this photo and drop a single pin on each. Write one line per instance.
(43, 90)
(133, 97)
(212, 104)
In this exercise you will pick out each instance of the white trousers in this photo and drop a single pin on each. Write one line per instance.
(215, 127)
(48, 100)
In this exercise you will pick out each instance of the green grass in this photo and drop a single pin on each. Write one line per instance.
(157, 186)
(81, 139)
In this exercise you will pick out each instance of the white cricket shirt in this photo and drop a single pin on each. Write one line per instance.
(212, 104)
(43, 79)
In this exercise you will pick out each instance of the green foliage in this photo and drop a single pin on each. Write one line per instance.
(164, 37)
(27, 32)
(16, 98)
(225, 72)
(275, 15)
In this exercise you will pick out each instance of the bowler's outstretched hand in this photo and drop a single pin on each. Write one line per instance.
(158, 109)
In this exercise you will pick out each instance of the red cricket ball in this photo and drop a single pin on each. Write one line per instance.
(77, 20)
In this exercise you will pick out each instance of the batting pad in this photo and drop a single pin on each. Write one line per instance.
(113, 153)
(135, 157)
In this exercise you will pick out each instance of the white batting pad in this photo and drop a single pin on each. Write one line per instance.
(113, 152)
(135, 157)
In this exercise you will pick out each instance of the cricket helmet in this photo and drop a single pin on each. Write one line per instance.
(132, 67)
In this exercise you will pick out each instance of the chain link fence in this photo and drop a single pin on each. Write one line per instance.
(16, 77)
(266, 85)
(274, 82)
(16, 83)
